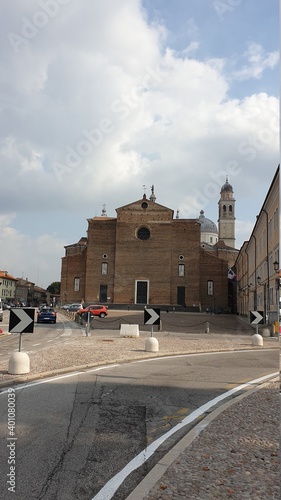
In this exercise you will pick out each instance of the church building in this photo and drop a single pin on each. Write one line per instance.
(145, 255)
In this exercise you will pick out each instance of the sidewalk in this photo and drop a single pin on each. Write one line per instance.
(233, 453)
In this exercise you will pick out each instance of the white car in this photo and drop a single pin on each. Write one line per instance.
(74, 307)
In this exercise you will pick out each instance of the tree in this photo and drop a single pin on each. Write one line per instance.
(54, 288)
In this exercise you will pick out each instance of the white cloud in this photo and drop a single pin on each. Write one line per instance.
(37, 258)
(96, 93)
(257, 62)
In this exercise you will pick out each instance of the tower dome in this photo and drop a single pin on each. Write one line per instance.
(209, 230)
(227, 187)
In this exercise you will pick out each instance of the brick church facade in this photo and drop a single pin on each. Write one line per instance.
(144, 256)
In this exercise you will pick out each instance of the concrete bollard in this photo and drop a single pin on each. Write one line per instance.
(151, 344)
(19, 363)
(266, 332)
(257, 339)
(207, 329)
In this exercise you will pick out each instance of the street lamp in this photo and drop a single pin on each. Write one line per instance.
(276, 266)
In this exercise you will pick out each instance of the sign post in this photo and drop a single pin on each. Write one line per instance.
(256, 318)
(21, 321)
(151, 317)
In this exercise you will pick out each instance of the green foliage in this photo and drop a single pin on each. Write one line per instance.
(54, 287)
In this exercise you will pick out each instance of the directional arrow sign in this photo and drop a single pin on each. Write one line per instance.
(256, 317)
(21, 320)
(152, 316)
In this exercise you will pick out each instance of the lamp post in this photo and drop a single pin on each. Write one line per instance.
(278, 281)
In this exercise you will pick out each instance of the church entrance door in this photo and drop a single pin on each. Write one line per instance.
(181, 295)
(141, 292)
(103, 293)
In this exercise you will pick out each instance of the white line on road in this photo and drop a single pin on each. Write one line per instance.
(109, 489)
(34, 345)
(28, 385)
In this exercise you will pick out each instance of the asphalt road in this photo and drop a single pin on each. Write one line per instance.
(74, 433)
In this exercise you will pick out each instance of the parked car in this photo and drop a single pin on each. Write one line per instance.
(46, 315)
(74, 307)
(65, 306)
(95, 310)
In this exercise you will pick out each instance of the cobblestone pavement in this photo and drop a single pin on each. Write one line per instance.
(235, 456)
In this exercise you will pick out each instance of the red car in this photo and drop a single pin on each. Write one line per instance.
(98, 310)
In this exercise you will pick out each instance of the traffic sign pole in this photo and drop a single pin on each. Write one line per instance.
(21, 321)
(20, 342)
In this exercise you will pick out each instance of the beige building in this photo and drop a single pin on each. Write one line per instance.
(257, 264)
(7, 286)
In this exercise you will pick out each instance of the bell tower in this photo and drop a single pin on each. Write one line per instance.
(227, 215)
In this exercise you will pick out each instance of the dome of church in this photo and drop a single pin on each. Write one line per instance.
(207, 225)
(227, 187)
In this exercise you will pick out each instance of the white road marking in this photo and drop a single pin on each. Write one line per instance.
(110, 488)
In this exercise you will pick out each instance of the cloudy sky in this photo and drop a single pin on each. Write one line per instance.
(102, 97)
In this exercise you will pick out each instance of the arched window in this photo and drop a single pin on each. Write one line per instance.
(181, 270)
(76, 284)
(210, 287)
(230, 208)
(104, 268)
(224, 208)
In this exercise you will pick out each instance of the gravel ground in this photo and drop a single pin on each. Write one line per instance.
(105, 346)
(236, 456)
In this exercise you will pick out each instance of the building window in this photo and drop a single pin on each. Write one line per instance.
(276, 218)
(230, 208)
(181, 270)
(76, 284)
(104, 268)
(210, 287)
(143, 233)
(211, 239)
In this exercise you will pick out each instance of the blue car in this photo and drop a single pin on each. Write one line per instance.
(46, 315)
